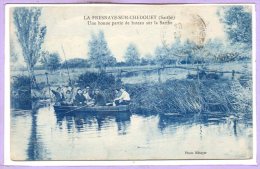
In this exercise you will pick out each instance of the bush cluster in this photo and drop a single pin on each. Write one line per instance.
(107, 83)
(21, 92)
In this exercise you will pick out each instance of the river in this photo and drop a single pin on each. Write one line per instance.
(43, 134)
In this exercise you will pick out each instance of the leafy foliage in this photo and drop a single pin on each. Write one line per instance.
(51, 62)
(238, 24)
(99, 53)
(161, 55)
(21, 92)
(30, 35)
(177, 53)
(105, 82)
(132, 56)
(97, 80)
(75, 63)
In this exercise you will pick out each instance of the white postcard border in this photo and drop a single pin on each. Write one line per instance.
(8, 161)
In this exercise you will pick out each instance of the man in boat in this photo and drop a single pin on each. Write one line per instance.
(68, 98)
(79, 98)
(123, 99)
(59, 96)
(99, 99)
(117, 95)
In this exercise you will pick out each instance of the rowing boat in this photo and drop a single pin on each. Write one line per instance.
(67, 109)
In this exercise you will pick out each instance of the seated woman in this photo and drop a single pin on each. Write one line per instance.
(123, 99)
(79, 98)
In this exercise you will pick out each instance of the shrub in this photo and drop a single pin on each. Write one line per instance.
(96, 80)
(21, 92)
(51, 62)
(106, 82)
(75, 63)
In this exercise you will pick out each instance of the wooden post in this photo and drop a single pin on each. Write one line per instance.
(159, 75)
(233, 74)
(119, 74)
(47, 80)
(198, 74)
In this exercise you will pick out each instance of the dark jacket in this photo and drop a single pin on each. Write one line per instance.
(79, 99)
(59, 97)
(99, 100)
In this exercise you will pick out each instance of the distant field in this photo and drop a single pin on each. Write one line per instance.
(136, 74)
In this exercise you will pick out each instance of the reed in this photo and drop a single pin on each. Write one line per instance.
(192, 96)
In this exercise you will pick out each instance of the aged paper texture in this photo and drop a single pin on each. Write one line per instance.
(131, 82)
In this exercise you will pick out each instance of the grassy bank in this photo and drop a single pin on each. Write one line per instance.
(175, 96)
(192, 96)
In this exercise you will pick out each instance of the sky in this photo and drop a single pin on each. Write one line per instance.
(66, 27)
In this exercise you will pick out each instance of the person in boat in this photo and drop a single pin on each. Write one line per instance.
(117, 95)
(86, 92)
(99, 99)
(79, 99)
(59, 96)
(73, 90)
(123, 99)
(64, 89)
(68, 98)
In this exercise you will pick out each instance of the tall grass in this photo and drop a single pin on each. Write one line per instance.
(192, 96)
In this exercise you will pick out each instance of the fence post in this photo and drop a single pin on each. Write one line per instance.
(233, 74)
(47, 80)
(159, 75)
(198, 74)
(119, 73)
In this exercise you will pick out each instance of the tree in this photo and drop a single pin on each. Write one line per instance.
(238, 24)
(171, 54)
(132, 56)
(161, 55)
(147, 59)
(189, 50)
(30, 35)
(176, 52)
(75, 63)
(51, 62)
(99, 53)
(212, 50)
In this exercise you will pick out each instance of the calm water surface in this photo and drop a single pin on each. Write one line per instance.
(46, 135)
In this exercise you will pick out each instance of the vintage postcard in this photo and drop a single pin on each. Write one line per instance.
(131, 82)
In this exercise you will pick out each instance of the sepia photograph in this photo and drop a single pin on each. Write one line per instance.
(131, 82)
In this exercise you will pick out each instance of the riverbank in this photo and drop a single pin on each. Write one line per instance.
(193, 96)
(181, 96)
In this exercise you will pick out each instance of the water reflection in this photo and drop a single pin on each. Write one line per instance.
(83, 120)
(205, 119)
(49, 135)
(36, 149)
